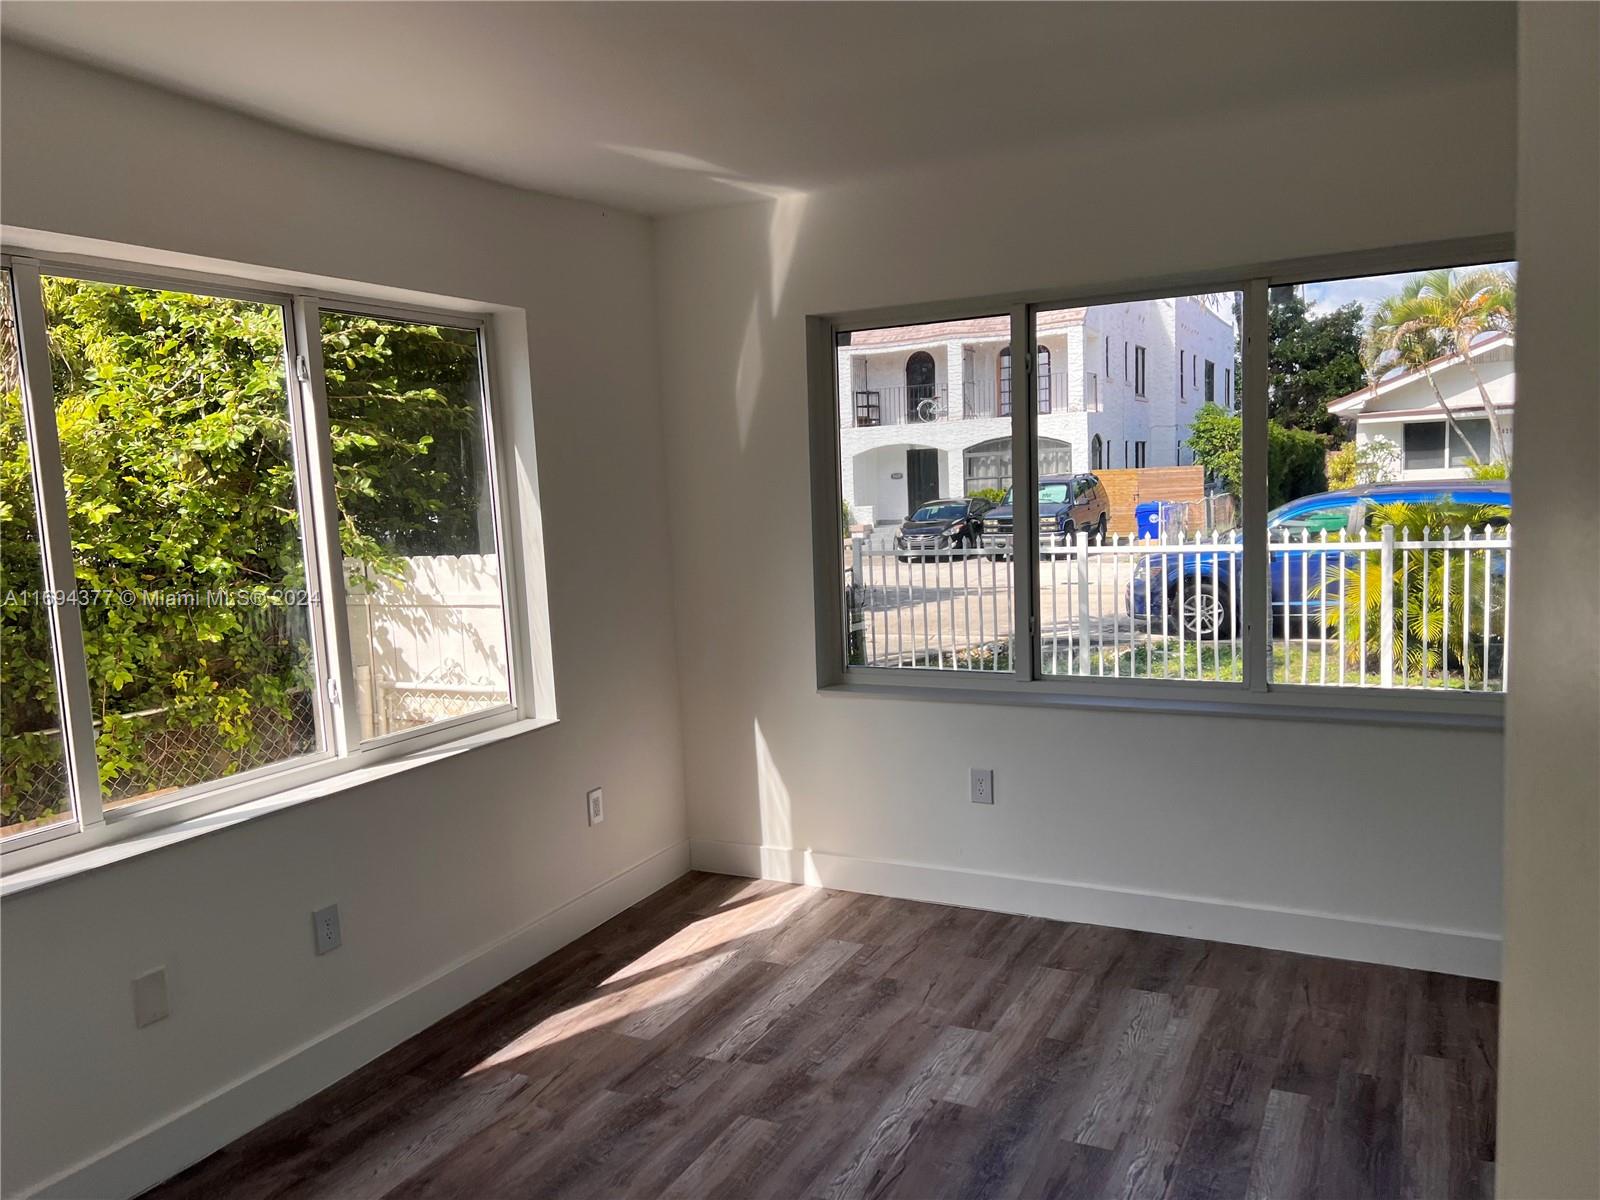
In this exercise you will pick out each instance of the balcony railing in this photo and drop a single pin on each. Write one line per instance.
(917, 404)
(912, 404)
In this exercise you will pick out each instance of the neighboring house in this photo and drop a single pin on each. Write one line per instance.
(1404, 410)
(925, 410)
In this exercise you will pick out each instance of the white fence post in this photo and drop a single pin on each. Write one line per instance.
(1386, 618)
(1083, 601)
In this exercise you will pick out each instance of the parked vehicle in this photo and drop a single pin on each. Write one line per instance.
(1068, 505)
(1200, 589)
(942, 525)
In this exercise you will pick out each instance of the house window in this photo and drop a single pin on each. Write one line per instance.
(1182, 356)
(272, 570)
(884, 473)
(1044, 379)
(988, 464)
(1470, 442)
(1447, 555)
(1424, 445)
(1066, 623)
(1108, 357)
(1138, 371)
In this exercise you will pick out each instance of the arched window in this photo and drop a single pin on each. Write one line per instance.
(988, 464)
(1097, 453)
(1044, 379)
(921, 387)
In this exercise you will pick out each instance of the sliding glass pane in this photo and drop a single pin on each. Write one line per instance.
(417, 521)
(1392, 400)
(1139, 459)
(172, 414)
(34, 790)
(925, 471)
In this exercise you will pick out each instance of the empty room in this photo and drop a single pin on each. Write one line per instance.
(776, 601)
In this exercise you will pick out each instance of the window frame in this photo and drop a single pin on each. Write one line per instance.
(340, 751)
(1255, 695)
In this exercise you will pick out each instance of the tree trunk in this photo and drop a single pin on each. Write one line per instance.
(1497, 437)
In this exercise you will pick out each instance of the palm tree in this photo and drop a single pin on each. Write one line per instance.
(1422, 607)
(1394, 338)
(1444, 309)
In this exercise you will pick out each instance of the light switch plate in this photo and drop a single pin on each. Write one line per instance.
(150, 998)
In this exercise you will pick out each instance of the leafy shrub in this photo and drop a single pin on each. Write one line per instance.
(1355, 464)
(1295, 457)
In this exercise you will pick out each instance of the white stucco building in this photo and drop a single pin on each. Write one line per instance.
(1404, 410)
(924, 410)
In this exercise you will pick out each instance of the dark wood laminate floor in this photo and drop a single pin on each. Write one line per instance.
(732, 1038)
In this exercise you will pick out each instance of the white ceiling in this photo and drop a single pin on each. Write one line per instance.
(664, 106)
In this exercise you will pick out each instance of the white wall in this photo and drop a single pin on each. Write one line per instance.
(1549, 1127)
(431, 867)
(1392, 834)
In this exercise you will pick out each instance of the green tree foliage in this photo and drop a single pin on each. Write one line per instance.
(1310, 360)
(1217, 439)
(1296, 459)
(174, 424)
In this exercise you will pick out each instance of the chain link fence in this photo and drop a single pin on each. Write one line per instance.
(173, 753)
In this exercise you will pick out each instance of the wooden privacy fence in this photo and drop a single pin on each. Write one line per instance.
(1127, 489)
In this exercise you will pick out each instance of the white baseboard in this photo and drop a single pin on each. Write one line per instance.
(1454, 951)
(182, 1139)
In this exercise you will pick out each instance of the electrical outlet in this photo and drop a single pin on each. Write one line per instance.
(597, 806)
(325, 929)
(982, 785)
(150, 998)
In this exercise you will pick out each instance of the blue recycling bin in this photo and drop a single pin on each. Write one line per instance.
(1147, 520)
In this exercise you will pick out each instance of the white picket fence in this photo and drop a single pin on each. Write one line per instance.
(1172, 609)
(429, 645)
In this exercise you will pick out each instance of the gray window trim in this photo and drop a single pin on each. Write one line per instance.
(1254, 697)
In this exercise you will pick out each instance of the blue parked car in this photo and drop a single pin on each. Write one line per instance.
(1199, 589)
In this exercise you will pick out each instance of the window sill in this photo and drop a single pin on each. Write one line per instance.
(153, 833)
(1346, 706)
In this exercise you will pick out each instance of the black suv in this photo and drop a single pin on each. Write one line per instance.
(942, 526)
(1068, 504)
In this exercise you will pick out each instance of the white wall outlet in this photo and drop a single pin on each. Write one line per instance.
(325, 929)
(983, 785)
(597, 806)
(150, 998)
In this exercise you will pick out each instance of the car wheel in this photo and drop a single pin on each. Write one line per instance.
(1202, 610)
(1102, 528)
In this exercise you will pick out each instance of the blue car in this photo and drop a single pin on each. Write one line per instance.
(1199, 590)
